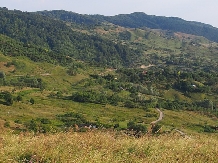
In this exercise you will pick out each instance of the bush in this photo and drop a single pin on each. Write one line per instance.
(19, 98)
(70, 119)
(136, 127)
(7, 124)
(2, 74)
(156, 128)
(32, 101)
(8, 98)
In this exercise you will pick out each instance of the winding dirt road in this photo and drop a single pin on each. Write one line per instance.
(161, 115)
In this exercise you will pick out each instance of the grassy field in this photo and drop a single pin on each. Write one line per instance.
(107, 146)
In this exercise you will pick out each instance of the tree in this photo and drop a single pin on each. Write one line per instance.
(8, 98)
(2, 74)
(2, 78)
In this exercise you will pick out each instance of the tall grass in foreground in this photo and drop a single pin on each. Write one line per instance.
(107, 147)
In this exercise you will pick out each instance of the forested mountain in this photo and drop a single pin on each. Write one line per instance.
(60, 42)
(71, 17)
(140, 20)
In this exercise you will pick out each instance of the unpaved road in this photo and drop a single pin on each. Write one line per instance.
(161, 115)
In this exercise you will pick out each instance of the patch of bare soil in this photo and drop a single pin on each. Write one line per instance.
(184, 35)
(6, 69)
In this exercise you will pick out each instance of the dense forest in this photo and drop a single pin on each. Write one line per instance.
(60, 42)
(72, 17)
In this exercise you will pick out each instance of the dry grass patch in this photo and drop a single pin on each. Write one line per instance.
(99, 146)
(6, 69)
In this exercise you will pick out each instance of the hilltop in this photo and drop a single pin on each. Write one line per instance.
(139, 20)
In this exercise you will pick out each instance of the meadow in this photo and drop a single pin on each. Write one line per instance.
(107, 146)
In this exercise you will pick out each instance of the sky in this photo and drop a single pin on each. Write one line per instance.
(204, 11)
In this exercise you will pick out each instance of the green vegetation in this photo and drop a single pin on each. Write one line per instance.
(91, 86)
(139, 20)
(107, 98)
(78, 19)
(7, 97)
(44, 39)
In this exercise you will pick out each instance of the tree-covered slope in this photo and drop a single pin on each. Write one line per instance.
(12, 47)
(140, 20)
(71, 17)
(61, 42)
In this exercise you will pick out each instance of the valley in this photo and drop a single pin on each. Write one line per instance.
(59, 76)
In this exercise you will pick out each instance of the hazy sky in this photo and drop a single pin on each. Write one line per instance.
(204, 11)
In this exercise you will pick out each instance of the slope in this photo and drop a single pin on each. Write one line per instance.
(60, 41)
(139, 20)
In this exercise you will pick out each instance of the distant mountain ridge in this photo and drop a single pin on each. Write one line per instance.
(71, 17)
(139, 20)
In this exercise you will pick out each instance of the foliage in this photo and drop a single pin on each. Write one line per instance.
(71, 119)
(95, 97)
(210, 129)
(156, 128)
(176, 74)
(27, 81)
(136, 127)
(32, 101)
(140, 20)
(2, 78)
(45, 39)
(19, 98)
(7, 96)
(2, 74)
(71, 17)
(40, 125)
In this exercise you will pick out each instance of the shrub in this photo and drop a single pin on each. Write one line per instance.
(156, 128)
(136, 127)
(19, 98)
(8, 98)
(7, 124)
(2, 74)
(32, 101)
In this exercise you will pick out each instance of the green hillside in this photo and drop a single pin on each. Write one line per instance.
(60, 42)
(43, 97)
(55, 75)
(84, 88)
(139, 20)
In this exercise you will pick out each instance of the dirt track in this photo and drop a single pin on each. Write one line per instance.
(161, 115)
